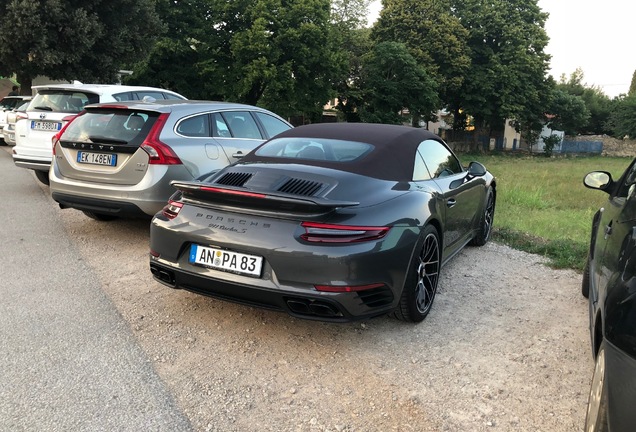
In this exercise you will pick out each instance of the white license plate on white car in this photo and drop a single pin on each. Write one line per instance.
(46, 125)
(108, 159)
(226, 260)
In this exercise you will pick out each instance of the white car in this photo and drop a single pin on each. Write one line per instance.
(8, 131)
(54, 105)
(8, 104)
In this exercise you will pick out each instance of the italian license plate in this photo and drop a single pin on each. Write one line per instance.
(108, 159)
(45, 125)
(226, 260)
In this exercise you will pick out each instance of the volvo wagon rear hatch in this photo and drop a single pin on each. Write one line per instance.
(109, 145)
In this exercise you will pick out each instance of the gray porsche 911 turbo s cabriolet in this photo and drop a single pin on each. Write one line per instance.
(333, 222)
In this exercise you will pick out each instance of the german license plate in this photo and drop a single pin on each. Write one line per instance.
(226, 260)
(108, 159)
(46, 125)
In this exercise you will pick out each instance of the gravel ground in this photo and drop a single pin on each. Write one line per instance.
(505, 348)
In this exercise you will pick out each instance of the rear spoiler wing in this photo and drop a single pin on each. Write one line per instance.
(227, 195)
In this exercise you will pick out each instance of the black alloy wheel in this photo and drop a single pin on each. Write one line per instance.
(486, 220)
(422, 279)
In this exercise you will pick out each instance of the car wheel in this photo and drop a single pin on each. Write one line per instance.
(596, 418)
(42, 176)
(99, 216)
(421, 280)
(585, 283)
(485, 223)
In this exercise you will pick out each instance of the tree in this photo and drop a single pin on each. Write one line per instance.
(393, 82)
(508, 73)
(173, 59)
(623, 117)
(88, 40)
(433, 35)
(567, 112)
(597, 103)
(632, 86)
(352, 42)
(274, 53)
(549, 143)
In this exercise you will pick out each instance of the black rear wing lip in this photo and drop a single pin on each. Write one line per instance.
(225, 194)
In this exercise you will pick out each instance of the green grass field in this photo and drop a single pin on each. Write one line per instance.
(542, 205)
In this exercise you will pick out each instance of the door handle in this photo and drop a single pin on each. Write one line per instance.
(239, 154)
(608, 230)
(451, 202)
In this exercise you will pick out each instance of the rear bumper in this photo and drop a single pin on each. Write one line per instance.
(38, 164)
(8, 136)
(112, 208)
(332, 307)
(144, 199)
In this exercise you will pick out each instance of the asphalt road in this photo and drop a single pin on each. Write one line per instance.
(68, 360)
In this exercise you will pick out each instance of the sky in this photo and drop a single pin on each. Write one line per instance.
(596, 36)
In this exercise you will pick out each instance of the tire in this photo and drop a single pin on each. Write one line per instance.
(422, 278)
(42, 176)
(486, 220)
(99, 216)
(585, 283)
(596, 418)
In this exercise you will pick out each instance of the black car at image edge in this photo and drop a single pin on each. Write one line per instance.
(609, 282)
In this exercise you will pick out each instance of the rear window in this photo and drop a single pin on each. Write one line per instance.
(9, 103)
(318, 149)
(139, 95)
(110, 127)
(272, 125)
(64, 101)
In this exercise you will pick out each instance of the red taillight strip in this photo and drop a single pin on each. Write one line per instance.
(172, 209)
(232, 192)
(112, 106)
(68, 119)
(330, 233)
(348, 288)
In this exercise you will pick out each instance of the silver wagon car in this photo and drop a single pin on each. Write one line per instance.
(118, 159)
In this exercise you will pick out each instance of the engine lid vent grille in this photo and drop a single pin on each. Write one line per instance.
(300, 187)
(237, 179)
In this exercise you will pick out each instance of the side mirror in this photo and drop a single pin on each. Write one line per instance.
(599, 180)
(475, 169)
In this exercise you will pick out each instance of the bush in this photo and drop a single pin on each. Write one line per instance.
(549, 142)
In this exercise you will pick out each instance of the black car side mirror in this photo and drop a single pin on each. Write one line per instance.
(476, 169)
(599, 180)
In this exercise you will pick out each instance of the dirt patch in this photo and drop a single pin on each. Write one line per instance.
(506, 347)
